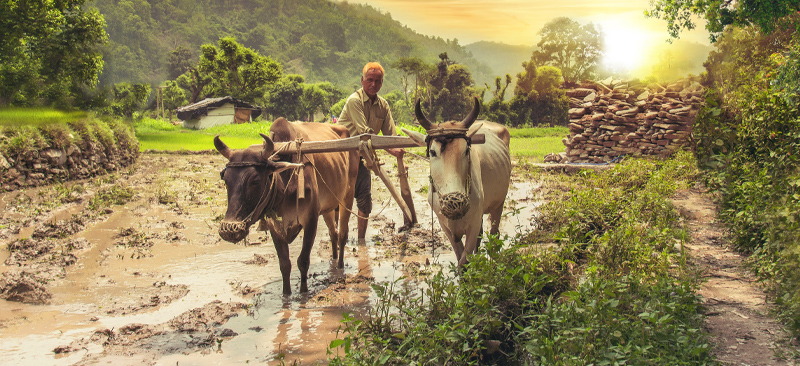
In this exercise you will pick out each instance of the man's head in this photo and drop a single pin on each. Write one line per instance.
(372, 78)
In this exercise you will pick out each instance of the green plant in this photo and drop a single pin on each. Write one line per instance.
(113, 195)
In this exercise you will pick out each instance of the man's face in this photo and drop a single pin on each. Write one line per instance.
(372, 82)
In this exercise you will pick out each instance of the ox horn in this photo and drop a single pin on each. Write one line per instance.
(474, 114)
(269, 147)
(223, 149)
(423, 121)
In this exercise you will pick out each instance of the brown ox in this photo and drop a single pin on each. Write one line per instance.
(467, 181)
(261, 187)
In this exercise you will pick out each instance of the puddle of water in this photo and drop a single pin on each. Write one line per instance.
(300, 327)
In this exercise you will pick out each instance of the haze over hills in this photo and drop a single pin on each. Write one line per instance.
(319, 39)
(500, 57)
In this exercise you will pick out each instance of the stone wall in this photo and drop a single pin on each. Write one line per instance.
(612, 118)
(52, 165)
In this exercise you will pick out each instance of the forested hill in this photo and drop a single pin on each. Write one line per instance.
(319, 39)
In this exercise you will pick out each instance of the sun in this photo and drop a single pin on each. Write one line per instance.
(626, 46)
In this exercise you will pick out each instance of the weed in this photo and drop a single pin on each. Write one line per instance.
(113, 195)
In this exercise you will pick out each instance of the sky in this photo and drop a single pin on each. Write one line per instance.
(630, 37)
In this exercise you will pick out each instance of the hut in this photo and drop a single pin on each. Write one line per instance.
(217, 111)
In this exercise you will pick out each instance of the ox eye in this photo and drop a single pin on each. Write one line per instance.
(222, 173)
(433, 153)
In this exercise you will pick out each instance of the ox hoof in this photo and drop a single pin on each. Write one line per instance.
(406, 227)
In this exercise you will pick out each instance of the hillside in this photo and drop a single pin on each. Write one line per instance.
(500, 57)
(319, 39)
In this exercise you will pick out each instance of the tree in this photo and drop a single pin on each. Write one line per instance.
(719, 14)
(283, 98)
(574, 48)
(318, 97)
(174, 97)
(411, 66)
(450, 90)
(235, 70)
(537, 97)
(179, 62)
(48, 49)
(128, 98)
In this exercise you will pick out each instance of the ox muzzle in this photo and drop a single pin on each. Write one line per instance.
(233, 231)
(454, 205)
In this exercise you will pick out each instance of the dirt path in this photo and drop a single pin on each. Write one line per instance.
(737, 310)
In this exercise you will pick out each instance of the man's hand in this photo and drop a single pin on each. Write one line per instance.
(396, 152)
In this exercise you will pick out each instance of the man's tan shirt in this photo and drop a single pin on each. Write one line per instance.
(360, 115)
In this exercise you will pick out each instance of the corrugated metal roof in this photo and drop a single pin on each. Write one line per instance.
(201, 108)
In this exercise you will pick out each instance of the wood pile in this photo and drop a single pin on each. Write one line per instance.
(610, 118)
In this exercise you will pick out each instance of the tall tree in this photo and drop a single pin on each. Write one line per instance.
(48, 50)
(537, 97)
(179, 61)
(680, 14)
(236, 70)
(574, 48)
(411, 66)
(451, 89)
(128, 98)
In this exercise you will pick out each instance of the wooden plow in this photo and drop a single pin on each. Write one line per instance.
(366, 145)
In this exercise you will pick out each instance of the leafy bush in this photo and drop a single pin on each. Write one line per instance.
(747, 145)
(612, 291)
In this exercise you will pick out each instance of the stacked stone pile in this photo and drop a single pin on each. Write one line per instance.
(52, 165)
(612, 118)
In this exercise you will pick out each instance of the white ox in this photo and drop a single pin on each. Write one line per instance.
(467, 181)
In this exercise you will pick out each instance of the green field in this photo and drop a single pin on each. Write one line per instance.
(532, 143)
(14, 117)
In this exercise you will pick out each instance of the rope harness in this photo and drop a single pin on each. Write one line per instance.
(454, 205)
(265, 201)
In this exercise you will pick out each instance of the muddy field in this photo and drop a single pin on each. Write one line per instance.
(149, 281)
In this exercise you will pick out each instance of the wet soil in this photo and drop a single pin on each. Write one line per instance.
(150, 281)
(738, 312)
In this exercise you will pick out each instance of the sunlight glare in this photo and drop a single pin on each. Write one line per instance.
(626, 46)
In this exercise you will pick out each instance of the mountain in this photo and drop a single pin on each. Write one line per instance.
(500, 57)
(319, 39)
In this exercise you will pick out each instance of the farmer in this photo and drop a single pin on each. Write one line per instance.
(366, 112)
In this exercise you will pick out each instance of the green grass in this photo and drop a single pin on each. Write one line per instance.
(162, 135)
(16, 117)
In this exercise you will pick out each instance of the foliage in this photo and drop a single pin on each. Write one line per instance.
(574, 48)
(721, 14)
(450, 91)
(537, 100)
(748, 138)
(608, 294)
(235, 70)
(48, 51)
(109, 196)
(319, 39)
(174, 97)
(128, 98)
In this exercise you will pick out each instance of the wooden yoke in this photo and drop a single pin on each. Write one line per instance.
(366, 144)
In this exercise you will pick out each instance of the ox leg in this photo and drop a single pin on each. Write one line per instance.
(344, 230)
(495, 214)
(471, 240)
(458, 247)
(330, 222)
(304, 260)
(282, 248)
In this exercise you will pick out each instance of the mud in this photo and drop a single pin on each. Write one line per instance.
(148, 281)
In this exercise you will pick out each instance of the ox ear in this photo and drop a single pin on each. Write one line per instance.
(280, 166)
(269, 147)
(223, 149)
(414, 135)
(476, 109)
(423, 121)
(474, 128)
